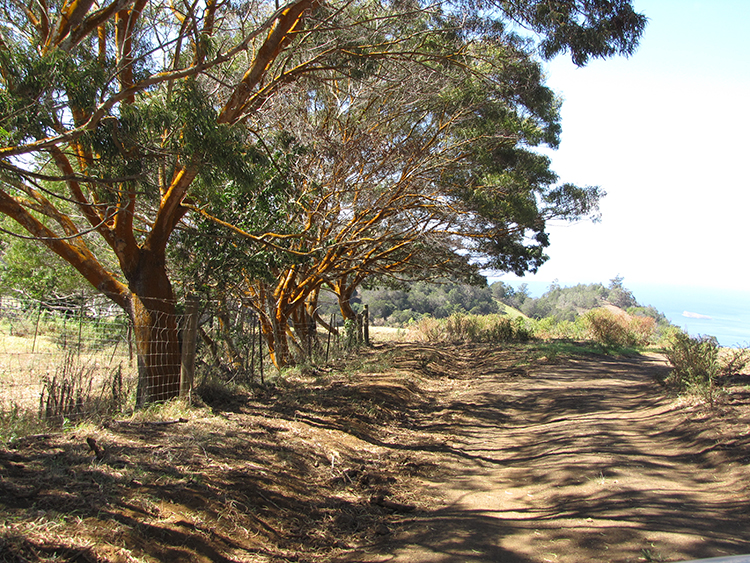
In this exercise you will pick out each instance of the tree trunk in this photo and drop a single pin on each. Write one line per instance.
(274, 333)
(155, 330)
(345, 305)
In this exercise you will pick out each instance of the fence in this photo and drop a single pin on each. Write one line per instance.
(65, 358)
(76, 357)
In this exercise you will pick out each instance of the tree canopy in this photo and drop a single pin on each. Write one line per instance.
(328, 140)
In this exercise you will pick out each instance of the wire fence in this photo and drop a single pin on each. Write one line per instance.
(66, 358)
(77, 357)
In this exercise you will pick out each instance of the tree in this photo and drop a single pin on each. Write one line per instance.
(118, 118)
(413, 168)
(110, 115)
(29, 271)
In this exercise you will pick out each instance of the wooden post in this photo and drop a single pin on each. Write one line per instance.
(189, 340)
(252, 350)
(328, 341)
(129, 336)
(260, 353)
(36, 328)
(366, 324)
(80, 324)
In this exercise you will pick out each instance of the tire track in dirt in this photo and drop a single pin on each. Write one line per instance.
(581, 461)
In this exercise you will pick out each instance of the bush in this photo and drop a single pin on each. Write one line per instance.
(427, 329)
(501, 331)
(462, 328)
(551, 328)
(607, 328)
(614, 328)
(698, 366)
(695, 364)
(472, 328)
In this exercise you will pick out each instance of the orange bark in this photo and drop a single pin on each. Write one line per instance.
(77, 255)
(279, 36)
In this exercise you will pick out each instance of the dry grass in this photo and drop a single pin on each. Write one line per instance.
(56, 371)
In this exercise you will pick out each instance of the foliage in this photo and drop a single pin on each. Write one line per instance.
(471, 328)
(566, 303)
(439, 300)
(506, 293)
(30, 270)
(617, 328)
(595, 29)
(560, 308)
(137, 124)
(698, 365)
(550, 328)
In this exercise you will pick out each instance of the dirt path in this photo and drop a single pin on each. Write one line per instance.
(405, 453)
(581, 461)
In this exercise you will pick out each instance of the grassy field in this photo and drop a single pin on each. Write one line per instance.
(61, 369)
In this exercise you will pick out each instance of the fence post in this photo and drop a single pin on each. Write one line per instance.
(252, 350)
(189, 339)
(36, 328)
(260, 353)
(328, 341)
(366, 324)
(80, 323)
(360, 336)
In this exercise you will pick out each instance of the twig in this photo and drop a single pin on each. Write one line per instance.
(155, 423)
(380, 500)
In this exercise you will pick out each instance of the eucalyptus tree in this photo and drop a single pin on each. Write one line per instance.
(417, 167)
(117, 118)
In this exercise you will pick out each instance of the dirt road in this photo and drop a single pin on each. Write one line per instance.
(578, 461)
(440, 454)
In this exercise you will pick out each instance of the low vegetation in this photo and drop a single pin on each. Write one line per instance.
(701, 367)
(60, 367)
(607, 314)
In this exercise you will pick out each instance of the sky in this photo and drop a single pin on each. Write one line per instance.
(666, 133)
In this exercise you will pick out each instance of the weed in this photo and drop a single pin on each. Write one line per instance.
(650, 555)
(16, 422)
(461, 327)
(70, 394)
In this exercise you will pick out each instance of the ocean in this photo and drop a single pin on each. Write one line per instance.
(722, 313)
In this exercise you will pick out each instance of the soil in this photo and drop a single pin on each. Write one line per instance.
(417, 453)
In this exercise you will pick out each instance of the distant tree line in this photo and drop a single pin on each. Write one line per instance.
(437, 300)
(567, 303)
(441, 300)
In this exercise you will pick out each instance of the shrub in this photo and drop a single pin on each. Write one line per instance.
(642, 329)
(427, 329)
(617, 328)
(698, 366)
(608, 328)
(552, 328)
(501, 330)
(460, 327)
(695, 364)
(522, 332)
(471, 328)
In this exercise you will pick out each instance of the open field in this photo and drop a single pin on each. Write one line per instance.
(36, 359)
(408, 452)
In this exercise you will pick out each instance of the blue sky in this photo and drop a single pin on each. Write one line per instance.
(666, 133)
